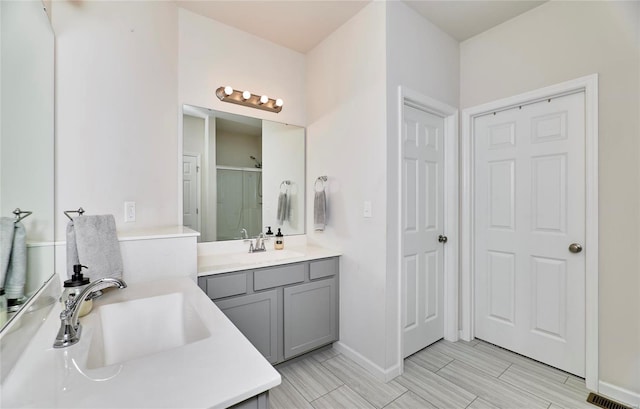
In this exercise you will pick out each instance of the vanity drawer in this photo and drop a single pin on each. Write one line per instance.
(323, 268)
(279, 276)
(226, 285)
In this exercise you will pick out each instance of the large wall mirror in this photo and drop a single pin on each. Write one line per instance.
(26, 149)
(240, 175)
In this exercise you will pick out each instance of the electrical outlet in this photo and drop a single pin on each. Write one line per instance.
(129, 212)
(368, 212)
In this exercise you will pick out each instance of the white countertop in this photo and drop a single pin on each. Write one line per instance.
(210, 264)
(218, 371)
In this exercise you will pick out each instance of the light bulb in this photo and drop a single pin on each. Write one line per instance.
(279, 102)
(264, 99)
(228, 90)
(246, 95)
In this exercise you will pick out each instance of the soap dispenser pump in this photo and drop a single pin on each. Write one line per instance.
(74, 286)
(279, 244)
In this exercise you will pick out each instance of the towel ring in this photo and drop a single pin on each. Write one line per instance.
(80, 211)
(322, 180)
(286, 184)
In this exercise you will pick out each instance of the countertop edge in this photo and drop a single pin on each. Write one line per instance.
(310, 253)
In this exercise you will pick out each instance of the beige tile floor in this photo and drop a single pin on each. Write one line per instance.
(474, 375)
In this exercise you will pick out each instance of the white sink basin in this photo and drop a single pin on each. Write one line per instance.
(146, 326)
(265, 256)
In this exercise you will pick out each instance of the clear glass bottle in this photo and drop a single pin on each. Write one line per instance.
(279, 243)
(74, 286)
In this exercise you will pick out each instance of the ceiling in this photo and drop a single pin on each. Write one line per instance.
(302, 24)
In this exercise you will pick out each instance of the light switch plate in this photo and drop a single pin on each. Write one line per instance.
(368, 212)
(129, 212)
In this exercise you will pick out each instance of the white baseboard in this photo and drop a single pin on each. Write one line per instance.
(383, 375)
(620, 394)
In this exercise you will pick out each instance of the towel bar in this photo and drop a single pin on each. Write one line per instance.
(19, 214)
(80, 211)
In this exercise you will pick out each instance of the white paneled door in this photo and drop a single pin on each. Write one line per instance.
(529, 228)
(422, 228)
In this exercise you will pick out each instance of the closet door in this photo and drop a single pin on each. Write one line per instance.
(529, 228)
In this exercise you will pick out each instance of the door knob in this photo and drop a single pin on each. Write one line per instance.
(442, 239)
(575, 248)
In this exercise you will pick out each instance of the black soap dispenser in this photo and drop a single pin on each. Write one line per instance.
(74, 286)
(279, 244)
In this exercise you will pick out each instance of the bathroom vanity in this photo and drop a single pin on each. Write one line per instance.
(284, 302)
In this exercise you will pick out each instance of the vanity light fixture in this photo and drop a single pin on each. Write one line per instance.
(246, 98)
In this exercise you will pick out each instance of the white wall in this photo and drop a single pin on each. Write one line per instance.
(556, 42)
(346, 141)
(212, 54)
(423, 58)
(116, 110)
(283, 155)
(236, 149)
(193, 134)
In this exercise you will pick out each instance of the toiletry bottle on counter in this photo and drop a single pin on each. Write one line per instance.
(74, 286)
(279, 244)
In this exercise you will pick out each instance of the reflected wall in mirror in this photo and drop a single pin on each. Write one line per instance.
(26, 148)
(241, 174)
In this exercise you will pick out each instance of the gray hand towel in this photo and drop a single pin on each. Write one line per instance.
(72, 249)
(283, 207)
(98, 246)
(7, 228)
(319, 211)
(17, 271)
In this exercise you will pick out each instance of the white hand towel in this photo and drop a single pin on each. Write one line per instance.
(320, 211)
(98, 246)
(17, 271)
(7, 229)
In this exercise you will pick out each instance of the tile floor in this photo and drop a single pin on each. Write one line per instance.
(474, 375)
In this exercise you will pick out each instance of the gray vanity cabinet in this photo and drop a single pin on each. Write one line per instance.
(256, 316)
(284, 311)
(310, 318)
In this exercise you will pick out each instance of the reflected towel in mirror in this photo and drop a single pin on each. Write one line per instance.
(6, 243)
(283, 207)
(16, 277)
(92, 241)
(13, 257)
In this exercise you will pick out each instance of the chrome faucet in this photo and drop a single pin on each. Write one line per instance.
(70, 328)
(244, 234)
(259, 245)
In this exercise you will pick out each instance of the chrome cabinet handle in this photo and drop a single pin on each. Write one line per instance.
(575, 248)
(442, 239)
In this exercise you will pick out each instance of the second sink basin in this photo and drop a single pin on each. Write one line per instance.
(132, 329)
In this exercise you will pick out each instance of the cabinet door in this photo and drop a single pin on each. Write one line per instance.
(256, 316)
(310, 316)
